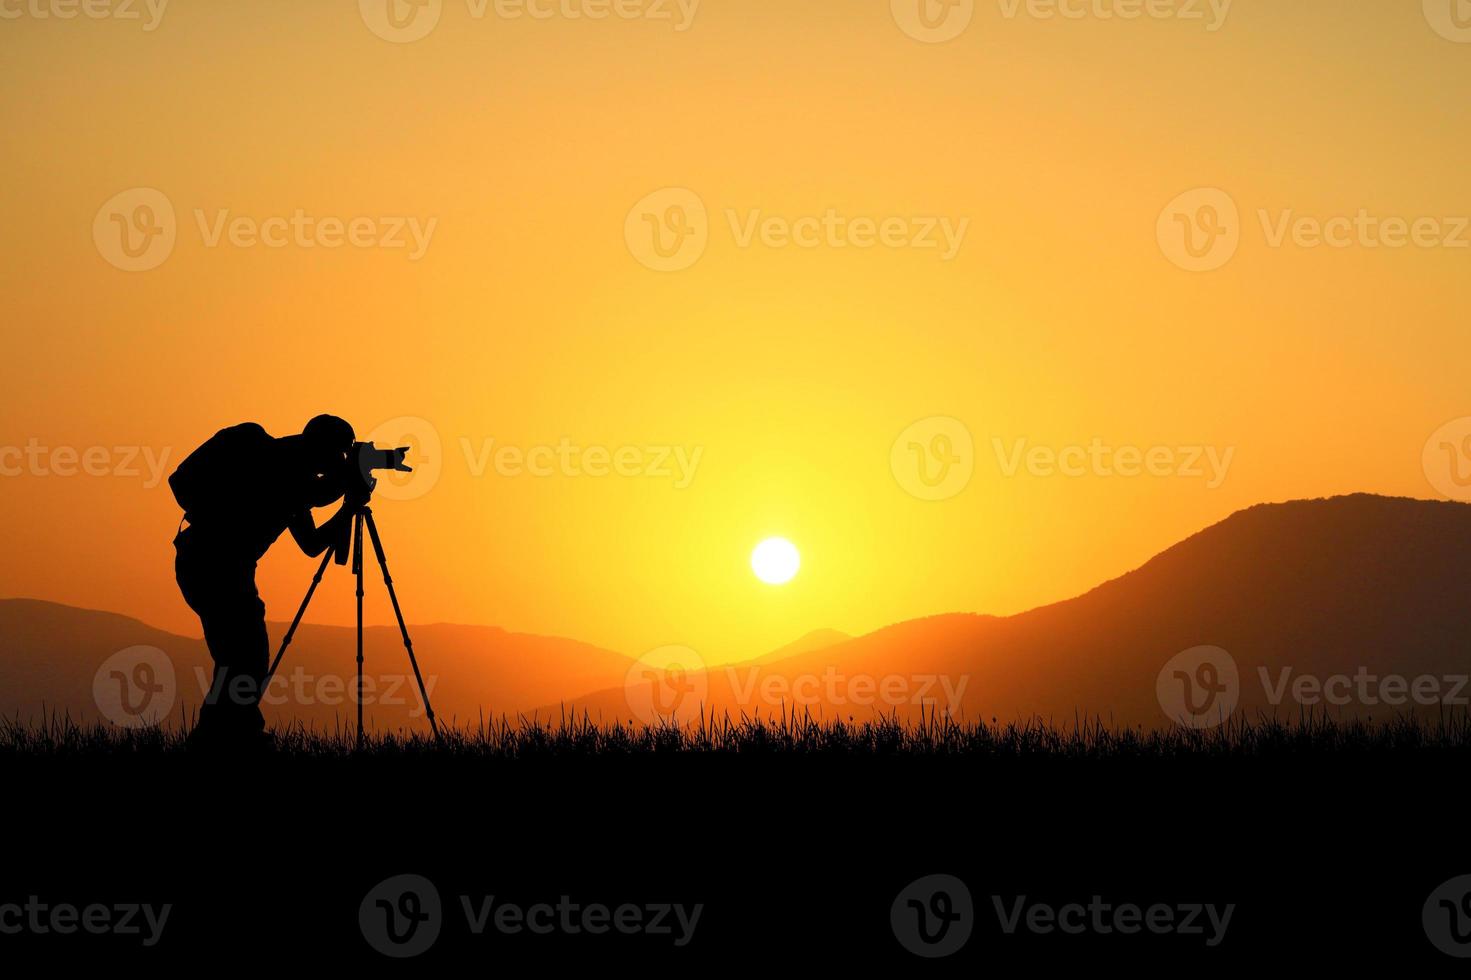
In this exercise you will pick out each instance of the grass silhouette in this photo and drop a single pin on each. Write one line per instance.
(1265, 738)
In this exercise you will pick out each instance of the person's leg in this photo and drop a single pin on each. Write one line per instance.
(234, 621)
(237, 641)
(210, 722)
(255, 658)
(195, 585)
(236, 632)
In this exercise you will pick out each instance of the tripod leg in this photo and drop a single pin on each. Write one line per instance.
(398, 613)
(291, 633)
(357, 567)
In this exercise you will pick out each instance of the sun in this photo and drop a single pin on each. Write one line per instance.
(775, 561)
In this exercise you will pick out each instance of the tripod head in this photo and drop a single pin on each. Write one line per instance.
(347, 537)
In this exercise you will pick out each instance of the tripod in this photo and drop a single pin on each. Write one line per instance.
(363, 518)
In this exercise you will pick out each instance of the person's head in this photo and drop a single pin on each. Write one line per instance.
(328, 440)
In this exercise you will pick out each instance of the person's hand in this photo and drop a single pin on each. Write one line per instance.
(356, 498)
(338, 533)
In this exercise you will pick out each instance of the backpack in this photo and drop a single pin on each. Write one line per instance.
(214, 479)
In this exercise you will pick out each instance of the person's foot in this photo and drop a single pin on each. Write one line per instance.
(214, 740)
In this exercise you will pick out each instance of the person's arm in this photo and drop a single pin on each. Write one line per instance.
(314, 540)
(322, 491)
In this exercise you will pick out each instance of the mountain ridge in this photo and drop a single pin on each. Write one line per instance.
(1391, 596)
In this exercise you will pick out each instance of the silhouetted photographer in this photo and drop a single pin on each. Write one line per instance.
(239, 491)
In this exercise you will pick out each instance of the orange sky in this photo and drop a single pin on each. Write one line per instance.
(525, 150)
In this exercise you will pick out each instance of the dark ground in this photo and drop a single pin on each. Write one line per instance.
(1327, 855)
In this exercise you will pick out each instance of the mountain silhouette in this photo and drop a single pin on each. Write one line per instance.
(1356, 585)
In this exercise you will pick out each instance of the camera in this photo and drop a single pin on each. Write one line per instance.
(365, 457)
(358, 482)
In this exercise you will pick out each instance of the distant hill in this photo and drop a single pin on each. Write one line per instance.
(51, 653)
(816, 640)
(1358, 586)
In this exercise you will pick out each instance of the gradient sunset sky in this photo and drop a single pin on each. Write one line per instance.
(532, 151)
